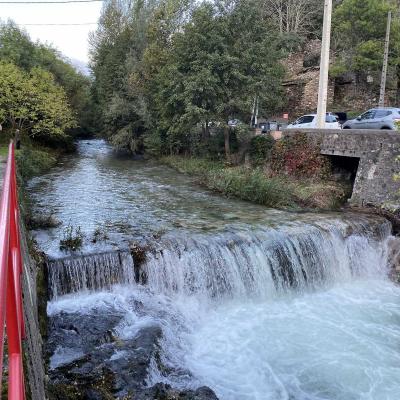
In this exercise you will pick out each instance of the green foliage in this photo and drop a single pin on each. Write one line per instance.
(297, 156)
(252, 185)
(166, 71)
(33, 102)
(359, 31)
(17, 49)
(72, 238)
(260, 149)
(279, 191)
(32, 162)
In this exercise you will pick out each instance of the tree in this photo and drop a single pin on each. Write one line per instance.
(359, 28)
(33, 103)
(165, 69)
(218, 63)
(295, 19)
(17, 48)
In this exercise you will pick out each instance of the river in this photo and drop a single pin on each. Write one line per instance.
(254, 303)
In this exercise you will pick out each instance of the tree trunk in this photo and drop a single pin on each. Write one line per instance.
(227, 144)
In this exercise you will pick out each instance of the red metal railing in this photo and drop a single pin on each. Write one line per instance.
(11, 311)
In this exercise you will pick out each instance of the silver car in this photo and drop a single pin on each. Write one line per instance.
(376, 118)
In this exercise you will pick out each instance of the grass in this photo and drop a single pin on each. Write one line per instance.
(255, 186)
(32, 161)
(3, 151)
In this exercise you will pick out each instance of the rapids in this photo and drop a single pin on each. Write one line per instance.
(256, 304)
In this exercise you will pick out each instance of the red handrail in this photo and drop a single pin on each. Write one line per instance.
(11, 311)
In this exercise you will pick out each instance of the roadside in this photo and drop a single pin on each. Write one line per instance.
(254, 185)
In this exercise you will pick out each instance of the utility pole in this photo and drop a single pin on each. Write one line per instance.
(324, 66)
(385, 62)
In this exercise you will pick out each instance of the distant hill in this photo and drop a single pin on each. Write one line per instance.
(80, 66)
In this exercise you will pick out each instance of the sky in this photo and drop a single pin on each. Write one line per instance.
(72, 41)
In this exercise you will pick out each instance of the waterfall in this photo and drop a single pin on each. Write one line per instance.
(250, 261)
(91, 272)
(305, 307)
(268, 262)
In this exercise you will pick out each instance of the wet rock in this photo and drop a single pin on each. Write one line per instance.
(162, 391)
(80, 333)
(394, 258)
(106, 366)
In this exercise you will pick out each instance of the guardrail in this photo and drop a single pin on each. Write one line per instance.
(11, 311)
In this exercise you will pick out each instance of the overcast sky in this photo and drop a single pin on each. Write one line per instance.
(72, 41)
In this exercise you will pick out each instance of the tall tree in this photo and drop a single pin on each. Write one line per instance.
(17, 47)
(33, 103)
(359, 28)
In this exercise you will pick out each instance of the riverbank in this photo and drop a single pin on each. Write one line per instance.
(253, 184)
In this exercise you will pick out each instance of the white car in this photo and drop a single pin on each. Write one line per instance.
(310, 121)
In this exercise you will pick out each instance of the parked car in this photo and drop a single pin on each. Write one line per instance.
(264, 126)
(341, 117)
(233, 123)
(310, 121)
(376, 118)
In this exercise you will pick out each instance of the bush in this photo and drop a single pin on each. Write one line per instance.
(31, 162)
(253, 186)
(299, 157)
(260, 148)
(72, 239)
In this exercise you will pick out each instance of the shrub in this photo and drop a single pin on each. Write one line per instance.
(42, 221)
(299, 157)
(99, 235)
(31, 162)
(72, 239)
(260, 148)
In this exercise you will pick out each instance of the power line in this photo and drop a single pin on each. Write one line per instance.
(51, 2)
(72, 24)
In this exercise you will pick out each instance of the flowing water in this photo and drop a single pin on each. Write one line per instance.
(254, 303)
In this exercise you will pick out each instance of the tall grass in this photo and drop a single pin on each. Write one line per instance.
(255, 186)
(236, 182)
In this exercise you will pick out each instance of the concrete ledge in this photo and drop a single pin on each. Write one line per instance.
(382, 133)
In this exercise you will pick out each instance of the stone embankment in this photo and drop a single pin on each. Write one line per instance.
(376, 151)
(394, 258)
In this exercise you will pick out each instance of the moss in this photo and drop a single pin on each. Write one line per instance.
(80, 390)
(62, 391)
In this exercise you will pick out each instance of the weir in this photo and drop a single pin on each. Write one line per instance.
(92, 272)
(252, 261)
(195, 296)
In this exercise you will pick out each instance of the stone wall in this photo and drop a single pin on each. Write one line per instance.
(347, 92)
(33, 355)
(302, 80)
(377, 150)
